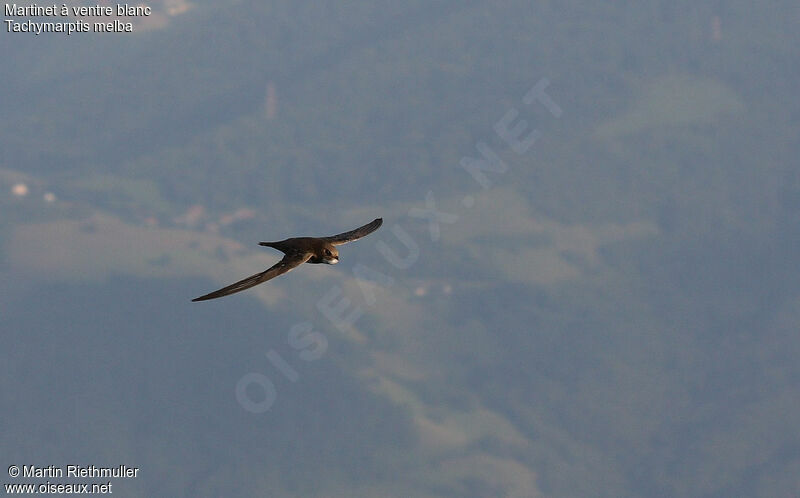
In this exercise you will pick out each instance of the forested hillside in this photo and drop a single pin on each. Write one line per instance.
(616, 315)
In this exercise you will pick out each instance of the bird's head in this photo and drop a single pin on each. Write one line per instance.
(330, 255)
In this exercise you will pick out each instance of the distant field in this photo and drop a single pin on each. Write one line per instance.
(674, 101)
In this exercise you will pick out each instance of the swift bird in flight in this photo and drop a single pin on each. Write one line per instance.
(298, 250)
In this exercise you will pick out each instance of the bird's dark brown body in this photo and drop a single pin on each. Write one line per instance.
(298, 250)
(320, 250)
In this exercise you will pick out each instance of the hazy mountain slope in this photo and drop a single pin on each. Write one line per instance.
(616, 316)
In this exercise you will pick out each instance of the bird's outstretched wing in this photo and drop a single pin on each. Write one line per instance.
(286, 264)
(344, 238)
